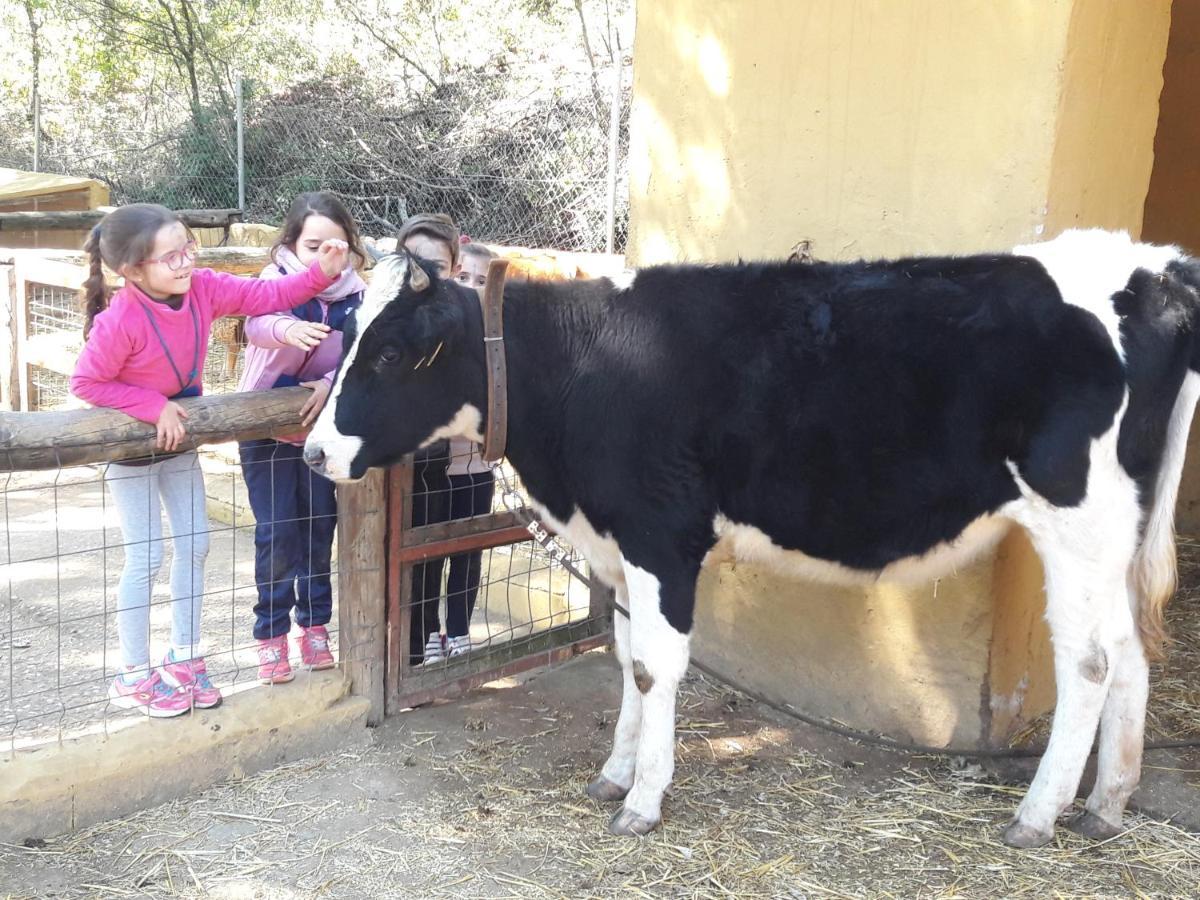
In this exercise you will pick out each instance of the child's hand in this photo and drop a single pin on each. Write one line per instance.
(334, 256)
(313, 405)
(305, 335)
(170, 426)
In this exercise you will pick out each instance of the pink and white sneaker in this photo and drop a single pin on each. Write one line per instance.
(273, 664)
(155, 696)
(191, 675)
(314, 648)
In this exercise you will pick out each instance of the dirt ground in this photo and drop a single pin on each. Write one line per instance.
(484, 798)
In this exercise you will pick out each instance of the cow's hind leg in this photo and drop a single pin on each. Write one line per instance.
(616, 776)
(1088, 611)
(1122, 730)
(659, 648)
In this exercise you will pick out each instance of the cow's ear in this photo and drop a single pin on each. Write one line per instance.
(418, 278)
(435, 324)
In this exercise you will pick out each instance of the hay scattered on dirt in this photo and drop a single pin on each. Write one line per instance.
(491, 806)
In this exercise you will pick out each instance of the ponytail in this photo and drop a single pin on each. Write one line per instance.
(94, 294)
(123, 238)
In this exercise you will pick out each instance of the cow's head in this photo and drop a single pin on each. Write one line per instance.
(410, 374)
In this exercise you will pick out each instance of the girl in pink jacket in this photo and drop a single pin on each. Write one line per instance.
(144, 348)
(295, 509)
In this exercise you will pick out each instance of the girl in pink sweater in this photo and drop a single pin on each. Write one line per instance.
(295, 509)
(145, 347)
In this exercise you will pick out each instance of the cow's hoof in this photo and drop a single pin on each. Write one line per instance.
(1092, 826)
(606, 791)
(1023, 837)
(627, 823)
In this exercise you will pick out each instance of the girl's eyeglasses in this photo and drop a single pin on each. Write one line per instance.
(176, 259)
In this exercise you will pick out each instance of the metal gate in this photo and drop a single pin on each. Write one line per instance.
(563, 614)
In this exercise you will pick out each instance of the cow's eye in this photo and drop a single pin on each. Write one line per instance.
(389, 356)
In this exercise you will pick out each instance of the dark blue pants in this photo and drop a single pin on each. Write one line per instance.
(470, 495)
(439, 498)
(296, 511)
(430, 504)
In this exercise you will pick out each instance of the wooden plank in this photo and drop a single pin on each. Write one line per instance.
(414, 552)
(362, 586)
(546, 648)
(20, 313)
(9, 373)
(399, 577)
(458, 528)
(57, 351)
(85, 219)
(46, 269)
(47, 440)
(236, 260)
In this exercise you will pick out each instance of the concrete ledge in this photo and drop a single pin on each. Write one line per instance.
(56, 788)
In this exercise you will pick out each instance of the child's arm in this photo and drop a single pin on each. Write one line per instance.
(94, 379)
(231, 295)
(269, 331)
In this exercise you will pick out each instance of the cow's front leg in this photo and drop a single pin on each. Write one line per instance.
(616, 777)
(659, 653)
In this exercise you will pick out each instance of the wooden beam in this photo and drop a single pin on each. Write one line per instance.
(47, 440)
(46, 263)
(10, 377)
(482, 540)
(362, 586)
(399, 576)
(85, 219)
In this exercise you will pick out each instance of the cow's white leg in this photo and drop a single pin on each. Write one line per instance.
(1086, 603)
(659, 660)
(616, 776)
(1122, 729)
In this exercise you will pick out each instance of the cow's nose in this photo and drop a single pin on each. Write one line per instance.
(315, 457)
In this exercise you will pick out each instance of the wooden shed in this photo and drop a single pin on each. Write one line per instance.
(22, 191)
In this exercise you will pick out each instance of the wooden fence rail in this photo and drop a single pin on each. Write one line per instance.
(81, 220)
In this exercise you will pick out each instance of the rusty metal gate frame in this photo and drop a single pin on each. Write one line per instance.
(406, 686)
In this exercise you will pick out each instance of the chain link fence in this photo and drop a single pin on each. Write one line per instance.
(514, 166)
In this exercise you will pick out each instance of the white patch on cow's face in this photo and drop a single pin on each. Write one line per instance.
(623, 281)
(1091, 266)
(466, 423)
(340, 449)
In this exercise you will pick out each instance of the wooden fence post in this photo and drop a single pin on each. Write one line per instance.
(362, 586)
(10, 378)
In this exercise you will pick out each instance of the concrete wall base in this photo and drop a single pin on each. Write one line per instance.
(55, 788)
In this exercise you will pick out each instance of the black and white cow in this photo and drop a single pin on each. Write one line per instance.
(873, 420)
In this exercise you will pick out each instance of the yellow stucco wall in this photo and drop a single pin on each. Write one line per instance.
(1112, 76)
(881, 128)
(872, 128)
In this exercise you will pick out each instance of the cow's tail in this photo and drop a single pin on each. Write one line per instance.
(1153, 573)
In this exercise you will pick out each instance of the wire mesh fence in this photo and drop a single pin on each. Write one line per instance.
(76, 575)
(64, 553)
(530, 170)
(517, 589)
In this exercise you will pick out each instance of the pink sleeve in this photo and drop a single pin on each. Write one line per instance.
(268, 331)
(232, 295)
(94, 379)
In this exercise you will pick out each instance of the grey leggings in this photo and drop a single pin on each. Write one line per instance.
(178, 484)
